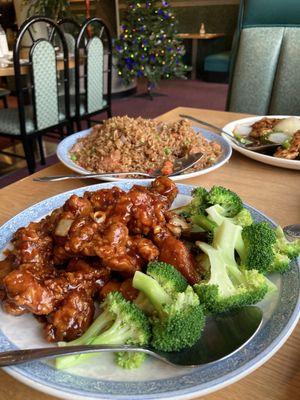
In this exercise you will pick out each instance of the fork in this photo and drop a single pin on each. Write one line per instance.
(251, 147)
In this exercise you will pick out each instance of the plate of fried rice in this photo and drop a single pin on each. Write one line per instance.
(123, 144)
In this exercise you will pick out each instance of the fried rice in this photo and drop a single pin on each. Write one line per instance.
(123, 144)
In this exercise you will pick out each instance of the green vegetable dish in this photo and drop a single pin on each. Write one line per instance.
(234, 258)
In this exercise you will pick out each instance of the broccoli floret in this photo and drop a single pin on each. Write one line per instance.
(144, 304)
(121, 322)
(178, 319)
(259, 241)
(130, 360)
(196, 206)
(266, 249)
(167, 276)
(291, 249)
(227, 199)
(204, 222)
(221, 202)
(243, 218)
(200, 194)
(217, 215)
(229, 286)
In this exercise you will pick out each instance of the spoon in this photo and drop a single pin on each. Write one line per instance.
(223, 335)
(251, 146)
(180, 165)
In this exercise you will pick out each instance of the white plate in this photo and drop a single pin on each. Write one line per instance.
(277, 162)
(101, 379)
(65, 145)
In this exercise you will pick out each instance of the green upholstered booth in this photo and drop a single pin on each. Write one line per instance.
(217, 62)
(265, 75)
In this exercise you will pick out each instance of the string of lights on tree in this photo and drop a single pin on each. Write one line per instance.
(148, 45)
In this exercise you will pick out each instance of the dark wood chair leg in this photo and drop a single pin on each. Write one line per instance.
(89, 122)
(29, 154)
(109, 113)
(41, 149)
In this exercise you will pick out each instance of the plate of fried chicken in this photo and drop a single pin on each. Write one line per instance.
(279, 129)
(61, 257)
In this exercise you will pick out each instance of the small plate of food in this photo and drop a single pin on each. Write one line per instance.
(123, 144)
(147, 264)
(280, 129)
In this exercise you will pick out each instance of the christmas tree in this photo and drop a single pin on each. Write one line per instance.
(148, 46)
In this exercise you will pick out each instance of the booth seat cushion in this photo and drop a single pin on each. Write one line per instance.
(217, 62)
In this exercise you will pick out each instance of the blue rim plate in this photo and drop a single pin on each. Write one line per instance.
(65, 145)
(153, 380)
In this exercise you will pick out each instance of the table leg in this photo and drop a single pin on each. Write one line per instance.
(194, 58)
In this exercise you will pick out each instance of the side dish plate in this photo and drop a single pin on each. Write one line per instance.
(101, 379)
(65, 145)
(277, 162)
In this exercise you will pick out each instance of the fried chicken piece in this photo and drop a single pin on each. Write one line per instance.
(78, 206)
(104, 199)
(111, 286)
(122, 253)
(263, 126)
(146, 211)
(145, 248)
(39, 290)
(72, 319)
(125, 287)
(32, 245)
(293, 151)
(174, 252)
(128, 291)
(25, 290)
(165, 187)
(77, 241)
(6, 266)
(91, 268)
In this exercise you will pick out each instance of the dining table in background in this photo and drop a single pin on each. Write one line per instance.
(24, 70)
(274, 191)
(195, 37)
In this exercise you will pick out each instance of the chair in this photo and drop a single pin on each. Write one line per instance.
(94, 50)
(3, 96)
(217, 64)
(29, 122)
(70, 29)
(265, 76)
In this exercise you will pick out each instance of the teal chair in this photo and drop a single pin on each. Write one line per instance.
(265, 77)
(42, 113)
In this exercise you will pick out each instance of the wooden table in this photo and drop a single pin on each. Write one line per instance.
(195, 37)
(10, 71)
(274, 191)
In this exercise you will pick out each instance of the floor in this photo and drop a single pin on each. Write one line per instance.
(171, 94)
